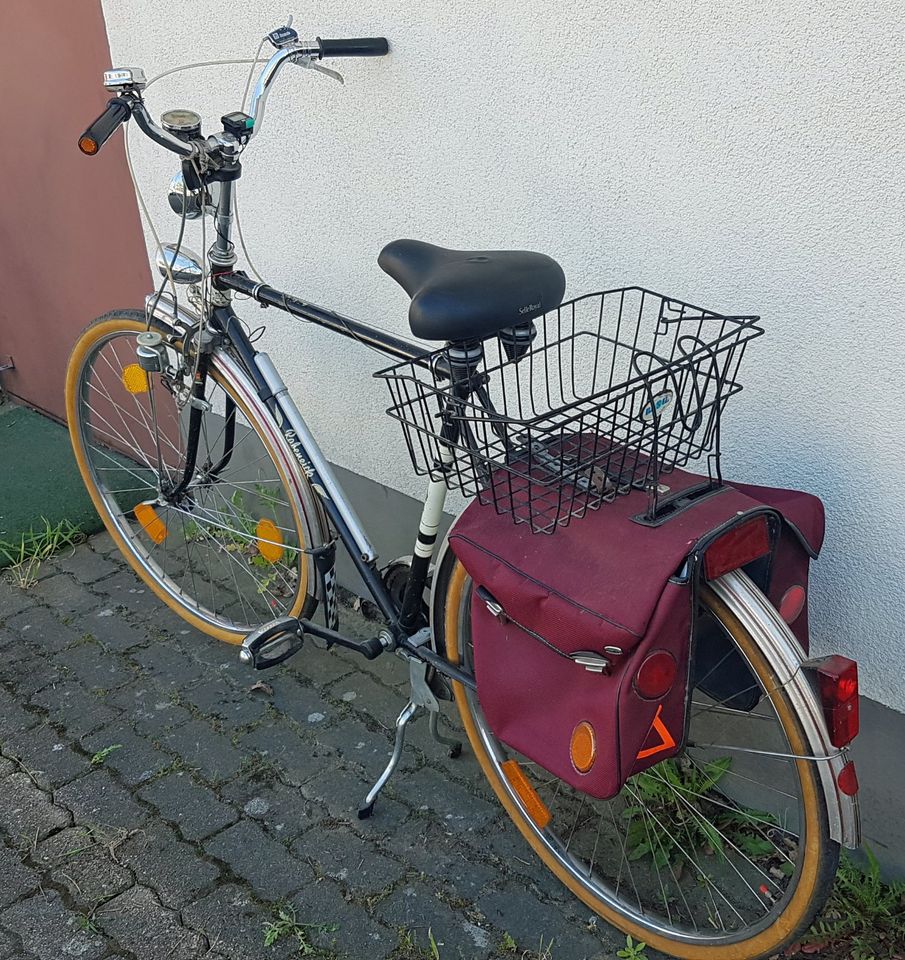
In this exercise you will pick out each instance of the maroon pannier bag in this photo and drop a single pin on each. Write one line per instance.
(582, 641)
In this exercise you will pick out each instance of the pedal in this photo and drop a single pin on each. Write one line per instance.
(273, 643)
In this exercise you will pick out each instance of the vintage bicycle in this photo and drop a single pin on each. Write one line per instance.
(702, 788)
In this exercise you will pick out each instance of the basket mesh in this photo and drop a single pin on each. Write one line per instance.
(612, 390)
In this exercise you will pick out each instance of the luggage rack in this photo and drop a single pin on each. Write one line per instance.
(601, 396)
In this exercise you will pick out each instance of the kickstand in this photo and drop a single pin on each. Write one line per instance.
(409, 712)
(455, 746)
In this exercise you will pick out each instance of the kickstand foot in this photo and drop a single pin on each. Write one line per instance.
(366, 808)
(455, 746)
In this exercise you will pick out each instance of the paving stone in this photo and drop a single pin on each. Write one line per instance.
(215, 697)
(18, 879)
(28, 672)
(282, 810)
(172, 868)
(82, 860)
(204, 749)
(86, 565)
(415, 909)
(97, 799)
(103, 543)
(96, 668)
(134, 759)
(338, 926)
(137, 921)
(66, 596)
(112, 630)
(353, 862)
(458, 808)
(265, 864)
(125, 591)
(297, 701)
(445, 858)
(277, 744)
(26, 813)
(195, 810)
(71, 706)
(10, 948)
(50, 930)
(371, 699)
(13, 599)
(352, 740)
(167, 668)
(13, 718)
(234, 925)
(526, 919)
(319, 667)
(149, 711)
(46, 755)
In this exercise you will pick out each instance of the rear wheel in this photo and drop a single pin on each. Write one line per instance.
(719, 854)
(228, 553)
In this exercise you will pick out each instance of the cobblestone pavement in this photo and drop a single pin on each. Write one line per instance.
(154, 805)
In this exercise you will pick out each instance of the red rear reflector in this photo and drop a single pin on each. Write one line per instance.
(736, 547)
(848, 779)
(838, 679)
(656, 675)
(792, 603)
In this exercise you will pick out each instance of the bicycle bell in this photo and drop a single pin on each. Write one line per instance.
(151, 352)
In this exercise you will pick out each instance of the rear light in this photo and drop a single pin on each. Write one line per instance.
(792, 603)
(656, 675)
(736, 547)
(847, 780)
(838, 679)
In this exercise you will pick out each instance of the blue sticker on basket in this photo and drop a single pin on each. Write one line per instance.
(658, 406)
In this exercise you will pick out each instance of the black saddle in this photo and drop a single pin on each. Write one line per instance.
(471, 294)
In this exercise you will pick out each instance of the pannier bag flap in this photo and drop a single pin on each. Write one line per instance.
(581, 640)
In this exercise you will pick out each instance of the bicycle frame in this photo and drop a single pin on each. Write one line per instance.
(403, 621)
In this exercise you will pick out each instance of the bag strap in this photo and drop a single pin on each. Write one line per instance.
(591, 661)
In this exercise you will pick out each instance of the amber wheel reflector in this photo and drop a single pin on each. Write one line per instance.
(152, 525)
(535, 807)
(135, 379)
(270, 543)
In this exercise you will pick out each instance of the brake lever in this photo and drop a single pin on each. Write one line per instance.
(320, 68)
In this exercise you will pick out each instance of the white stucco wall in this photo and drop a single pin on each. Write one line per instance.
(746, 156)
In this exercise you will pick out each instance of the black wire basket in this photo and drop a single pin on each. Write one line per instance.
(599, 397)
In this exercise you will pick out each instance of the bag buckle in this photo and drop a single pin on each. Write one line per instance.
(493, 605)
(592, 662)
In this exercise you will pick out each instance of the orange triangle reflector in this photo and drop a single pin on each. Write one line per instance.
(666, 739)
(534, 806)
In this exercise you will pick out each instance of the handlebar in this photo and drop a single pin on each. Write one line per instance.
(359, 47)
(116, 113)
(289, 49)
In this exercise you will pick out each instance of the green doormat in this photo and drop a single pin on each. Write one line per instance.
(38, 477)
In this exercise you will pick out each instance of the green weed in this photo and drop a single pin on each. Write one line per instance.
(633, 950)
(26, 555)
(102, 755)
(285, 925)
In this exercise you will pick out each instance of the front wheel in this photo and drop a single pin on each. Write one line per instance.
(718, 854)
(229, 551)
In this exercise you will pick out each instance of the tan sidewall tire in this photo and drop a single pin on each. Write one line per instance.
(819, 861)
(103, 327)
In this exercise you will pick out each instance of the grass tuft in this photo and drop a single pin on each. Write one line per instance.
(25, 556)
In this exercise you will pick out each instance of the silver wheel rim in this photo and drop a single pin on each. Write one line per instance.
(294, 501)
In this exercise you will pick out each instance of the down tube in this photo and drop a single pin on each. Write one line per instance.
(319, 472)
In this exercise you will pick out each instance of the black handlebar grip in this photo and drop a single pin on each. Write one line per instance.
(116, 113)
(360, 47)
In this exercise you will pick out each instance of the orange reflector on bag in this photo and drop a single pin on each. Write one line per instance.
(666, 738)
(534, 806)
(152, 525)
(583, 747)
(135, 380)
(270, 543)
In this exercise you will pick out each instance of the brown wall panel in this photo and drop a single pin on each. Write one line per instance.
(71, 245)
